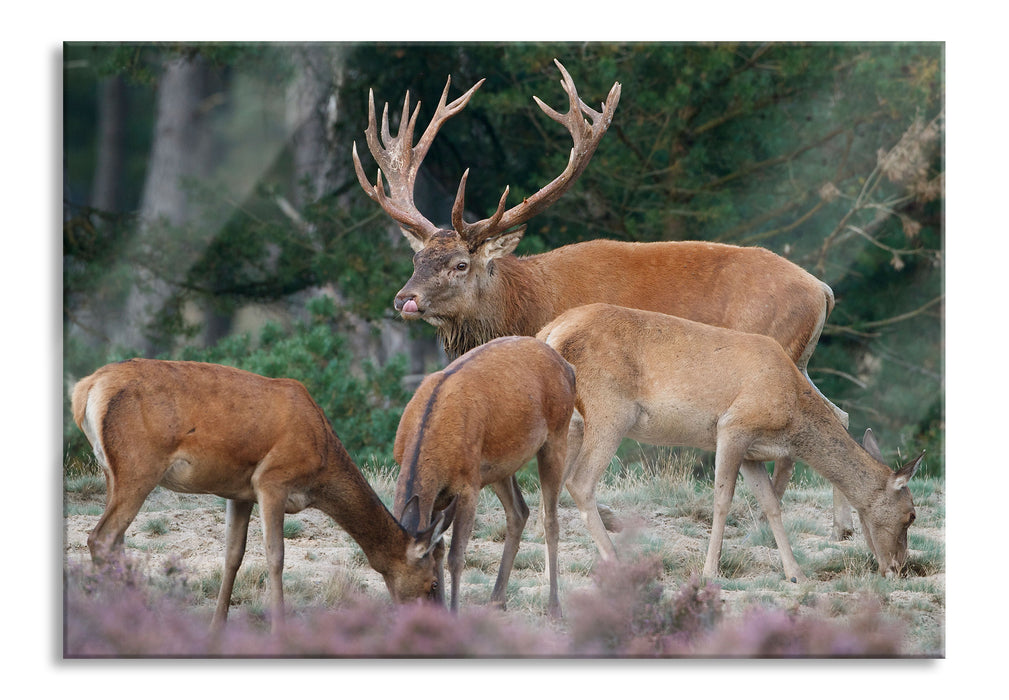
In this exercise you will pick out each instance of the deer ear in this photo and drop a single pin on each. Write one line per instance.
(500, 246)
(429, 539)
(415, 241)
(871, 446)
(904, 474)
(410, 518)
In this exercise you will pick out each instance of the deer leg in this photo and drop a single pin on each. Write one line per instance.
(594, 456)
(236, 530)
(516, 515)
(125, 498)
(271, 513)
(727, 462)
(844, 528)
(462, 528)
(551, 471)
(783, 470)
(760, 484)
(576, 434)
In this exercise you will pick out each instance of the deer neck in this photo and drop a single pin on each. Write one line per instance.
(825, 445)
(347, 497)
(513, 299)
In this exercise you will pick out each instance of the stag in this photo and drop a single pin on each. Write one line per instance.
(194, 427)
(664, 380)
(469, 285)
(476, 423)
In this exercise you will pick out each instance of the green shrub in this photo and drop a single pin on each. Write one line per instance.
(362, 401)
(156, 526)
(293, 529)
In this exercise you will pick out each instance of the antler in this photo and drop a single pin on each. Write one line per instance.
(400, 160)
(586, 138)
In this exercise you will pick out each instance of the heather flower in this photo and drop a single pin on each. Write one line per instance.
(625, 614)
(777, 633)
(122, 611)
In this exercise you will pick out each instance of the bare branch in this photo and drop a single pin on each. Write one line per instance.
(905, 316)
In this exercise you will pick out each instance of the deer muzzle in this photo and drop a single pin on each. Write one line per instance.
(406, 305)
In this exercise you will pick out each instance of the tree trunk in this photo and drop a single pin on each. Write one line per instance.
(106, 185)
(321, 164)
(181, 149)
(312, 102)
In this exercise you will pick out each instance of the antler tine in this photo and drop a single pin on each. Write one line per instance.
(399, 159)
(405, 218)
(442, 113)
(368, 188)
(585, 136)
(468, 231)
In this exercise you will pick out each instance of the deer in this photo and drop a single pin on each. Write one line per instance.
(664, 380)
(475, 424)
(196, 427)
(470, 286)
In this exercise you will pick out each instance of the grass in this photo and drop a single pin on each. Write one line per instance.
(341, 585)
(155, 527)
(665, 500)
(293, 528)
(85, 485)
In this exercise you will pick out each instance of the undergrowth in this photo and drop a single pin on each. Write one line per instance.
(127, 611)
(651, 604)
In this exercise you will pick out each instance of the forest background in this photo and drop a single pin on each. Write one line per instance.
(211, 210)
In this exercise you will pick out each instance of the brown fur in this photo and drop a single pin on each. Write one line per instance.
(202, 428)
(664, 380)
(746, 289)
(476, 423)
(468, 285)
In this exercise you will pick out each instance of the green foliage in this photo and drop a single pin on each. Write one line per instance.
(362, 401)
(155, 526)
(773, 144)
(293, 528)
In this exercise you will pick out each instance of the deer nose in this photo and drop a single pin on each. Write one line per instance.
(406, 304)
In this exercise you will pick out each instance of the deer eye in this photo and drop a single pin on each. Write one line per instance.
(461, 266)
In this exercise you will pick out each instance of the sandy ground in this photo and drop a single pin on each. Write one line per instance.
(322, 551)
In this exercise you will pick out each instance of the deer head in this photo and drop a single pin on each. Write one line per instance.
(452, 265)
(886, 522)
(418, 577)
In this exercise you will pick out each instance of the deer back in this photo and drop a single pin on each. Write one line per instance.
(746, 289)
(489, 410)
(672, 381)
(208, 425)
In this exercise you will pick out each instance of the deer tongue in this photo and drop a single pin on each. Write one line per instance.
(410, 307)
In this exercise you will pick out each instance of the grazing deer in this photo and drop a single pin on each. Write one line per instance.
(202, 428)
(664, 380)
(476, 423)
(467, 283)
